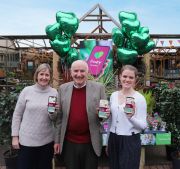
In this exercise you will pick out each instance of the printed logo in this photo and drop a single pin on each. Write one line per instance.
(98, 54)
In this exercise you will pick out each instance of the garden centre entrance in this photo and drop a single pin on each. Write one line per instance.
(21, 54)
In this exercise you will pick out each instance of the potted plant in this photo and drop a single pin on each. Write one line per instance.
(168, 106)
(175, 155)
(8, 99)
(176, 130)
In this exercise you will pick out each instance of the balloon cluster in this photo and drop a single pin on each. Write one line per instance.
(131, 40)
(60, 35)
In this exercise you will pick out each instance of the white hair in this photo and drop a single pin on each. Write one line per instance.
(82, 62)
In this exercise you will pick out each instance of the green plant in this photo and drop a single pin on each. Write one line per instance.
(11, 74)
(175, 132)
(8, 99)
(168, 105)
(108, 80)
(150, 100)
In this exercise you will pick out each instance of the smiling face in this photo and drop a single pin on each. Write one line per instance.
(128, 79)
(79, 72)
(43, 77)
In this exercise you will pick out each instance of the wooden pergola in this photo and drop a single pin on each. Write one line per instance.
(97, 14)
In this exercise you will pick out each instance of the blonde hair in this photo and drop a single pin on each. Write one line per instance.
(41, 67)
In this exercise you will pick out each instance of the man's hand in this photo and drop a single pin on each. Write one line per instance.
(108, 112)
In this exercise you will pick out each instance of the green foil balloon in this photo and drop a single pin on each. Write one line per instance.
(60, 35)
(127, 15)
(117, 37)
(52, 31)
(139, 41)
(128, 44)
(72, 56)
(144, 30)
(61, 46)
(136, 39)
(68, 21)
(147, 48)
(126, 56)
(129, 27)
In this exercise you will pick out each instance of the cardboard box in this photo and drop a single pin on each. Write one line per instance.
(163, 138)
(148, 139)
(103, 107)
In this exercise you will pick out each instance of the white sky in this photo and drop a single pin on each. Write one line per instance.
(30, 17)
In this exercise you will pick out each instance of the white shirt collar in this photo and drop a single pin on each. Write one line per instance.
(78, 86)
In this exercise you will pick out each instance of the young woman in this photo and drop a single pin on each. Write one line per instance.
(124, 145)
(32, 128)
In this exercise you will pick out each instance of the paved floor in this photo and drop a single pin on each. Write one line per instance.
(146, 167)
(155, 155)
(155, 158)
(159, 167)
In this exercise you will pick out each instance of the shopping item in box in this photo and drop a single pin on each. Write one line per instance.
(163, 138)
(104, 139)
(105, 126)
(148, 139)
(103, 108)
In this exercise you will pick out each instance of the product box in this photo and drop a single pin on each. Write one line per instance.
(103, 107)
(104, 139)
(148, 139)
(163, 138)
(128, 109)
(52, 104)
(105, 126)
(156, 138)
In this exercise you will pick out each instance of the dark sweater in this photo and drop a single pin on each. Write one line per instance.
(78, 126)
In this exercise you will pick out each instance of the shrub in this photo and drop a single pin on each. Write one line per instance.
(8, 99)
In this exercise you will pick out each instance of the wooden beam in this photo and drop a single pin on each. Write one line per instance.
(97, 20)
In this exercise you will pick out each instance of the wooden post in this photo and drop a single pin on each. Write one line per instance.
(142, 160)
(55, 70)
(147, 65)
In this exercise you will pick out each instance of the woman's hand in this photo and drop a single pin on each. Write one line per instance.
(56, 148)
(129, 115)
(53, 115)
(15, 142)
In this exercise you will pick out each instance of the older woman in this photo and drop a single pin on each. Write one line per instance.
(32, 128)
